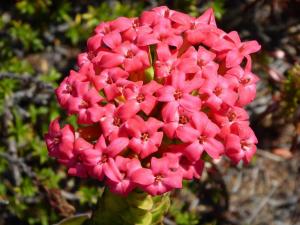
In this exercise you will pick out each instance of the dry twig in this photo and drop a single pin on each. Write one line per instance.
(262, 204)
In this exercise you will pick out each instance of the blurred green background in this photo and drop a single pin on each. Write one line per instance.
(39, 42)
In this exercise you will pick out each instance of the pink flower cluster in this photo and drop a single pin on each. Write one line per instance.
(153, 95)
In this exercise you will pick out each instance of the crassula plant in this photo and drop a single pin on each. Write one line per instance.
(153, 97)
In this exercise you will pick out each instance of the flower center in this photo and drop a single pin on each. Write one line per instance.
(231, 116)
(83, 105)
(245, 145)
(107, 29)
(91, 55)
(173, 169)
(79, 159)
(201, 62)
(104, 159)
(183, 119)
(123, 174)
(202, 139)
(136, 24)
(162, 36)
(183, 161)
(178, 94)
(217, 91)
(56, 140)
(167, 13)
(145, 136)
(68, 89)
(193, 26)
(245, 81)
(129, 54)
(140, 98)
(241, 48)
(109, 80)
(117, 121)
(158, 178)
(203, 96)
(168, 69)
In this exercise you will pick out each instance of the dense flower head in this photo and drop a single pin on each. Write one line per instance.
(153, 97)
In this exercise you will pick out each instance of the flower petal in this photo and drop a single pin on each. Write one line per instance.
(187, 133)
(193, 151)
(143, 176)
(111, 171)
(213, 148)
(166, 94)
(112, 39)
(173, 180)
(117, 146)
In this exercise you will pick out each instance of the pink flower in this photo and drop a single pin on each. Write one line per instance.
(130, 56)
(65, 91)
(60, 142)
(120, 24)
(240, 144)
(175, 118)
(204, 30)
(75, 165)
(141, 35)
(207, 17)
(180, 21)
(237, 50)
(168, 62)
(164, 64)
(84, 58)
(86, 104)
(179, 93)
(203, 58)
(228, 116)
(159, 179)
(145, 137)
(141, 96)
(180, 163)
(120, 178)
(190, 169)
(165, 34)
(110, 80)
(244, 81)
(107, 33)
(99, 158)
(216, 91)
(113, 121)
(154, 16)
(204, 139)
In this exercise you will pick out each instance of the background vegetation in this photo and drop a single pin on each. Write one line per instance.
(39, 41)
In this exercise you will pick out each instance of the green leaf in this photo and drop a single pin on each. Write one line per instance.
(140, 200)
(218, 7)
(24, 33)
(51, 77)
(50, 178)
(27, 188)
(137, 217)
(74, 220)
(88, 195)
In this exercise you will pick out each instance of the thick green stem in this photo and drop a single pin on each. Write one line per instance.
(138, 208)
